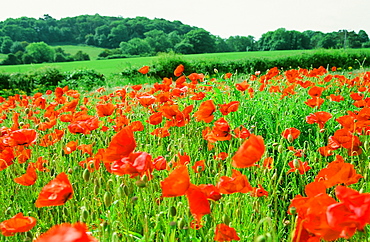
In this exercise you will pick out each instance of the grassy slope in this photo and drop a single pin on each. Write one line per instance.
(114, 66)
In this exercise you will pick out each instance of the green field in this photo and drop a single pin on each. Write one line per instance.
(114, 66)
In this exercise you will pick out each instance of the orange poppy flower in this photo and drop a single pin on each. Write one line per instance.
(198, 202)
(121, 145)
(177, 182)
(160, 163)
(221, 156)
(314, 102)
(225, 233)
(211, 191)
(29, 178)
(6, 158)
(319, 117)
(86, 149)
(22, 154)
(242, 86)
(179, 70)
(205, 111)
(17, 224)
(242, 132)
(138, 163)
(105, 109)
(291, 134)
(137, 126)
(68, 233)
(57, 192)
(225, 109)
(338, 172)
(161, 132)
(228, 75)
(335, 98)
(199, 166)
(22, 137)
(70, 147)
(315, 91)
(249, 152)
(155, 118)
(259, 192)
(144, 70)
(236, 183)
(298, 165)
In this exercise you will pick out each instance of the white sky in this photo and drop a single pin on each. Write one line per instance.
(220, 17)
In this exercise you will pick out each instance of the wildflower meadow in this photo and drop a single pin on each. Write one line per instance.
(280, 155)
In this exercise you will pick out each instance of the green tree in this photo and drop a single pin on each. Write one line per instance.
(81, 56)
(158, 41)
(6, 44)
(202, 41)
(41, 52)
(136, 46)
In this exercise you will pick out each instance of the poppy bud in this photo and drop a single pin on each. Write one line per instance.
(115, 237)
(120, 192)
(290, 138)
(84, 215)
(296, 164)
(292, 210)
(134, 199)
(260, 238)
(27, 110)
(322, 130)
(275, 144)
(181, 224)
(280, 149)
(144, 178)
(172, 224)
(107, 198)
(21, 124)
(70, 170)
(86, 175)
(109, 184)
(173, 211)
(140, 183)
(28, 236)
(96, 190)
(215, 70)
(97, 182)
(226, 219)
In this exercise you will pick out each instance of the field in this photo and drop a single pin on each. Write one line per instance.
(115, 66)
(276, 156)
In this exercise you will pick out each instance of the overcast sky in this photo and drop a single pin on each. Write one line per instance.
(220, 17)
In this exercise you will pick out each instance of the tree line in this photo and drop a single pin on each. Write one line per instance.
(140, 36)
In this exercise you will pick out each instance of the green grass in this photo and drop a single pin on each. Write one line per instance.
(115, 66)
(136, 211)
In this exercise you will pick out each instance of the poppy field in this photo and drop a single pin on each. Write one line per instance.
(280, 155)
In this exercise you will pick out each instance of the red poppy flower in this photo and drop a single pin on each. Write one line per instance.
(205, 111)
(242, 86)
(225, 109)
(259, 192)
(338, 172)
(144, 70)
(221, 156)
(6, 158)
(121, 145)
(70, 147)
(199, 166)
(236, 183)
(249, 152)
(315, 91)
(242, 132)
(225, 233)
(57, 192)
(155, 118)
(17, 224)
(29, 178)
(22, 137)
(211, 191)
(228, 75)
(291, 134)
(138, 163)
(67, 233)
(314, 102)
(177, 182)
(105, 109)
(179, 70)
(296, 164)
(198, 202)
(319, 117)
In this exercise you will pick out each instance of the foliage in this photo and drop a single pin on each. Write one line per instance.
(41, 52)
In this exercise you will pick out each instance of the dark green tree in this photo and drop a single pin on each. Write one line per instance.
(41, 52)
(201, 40)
